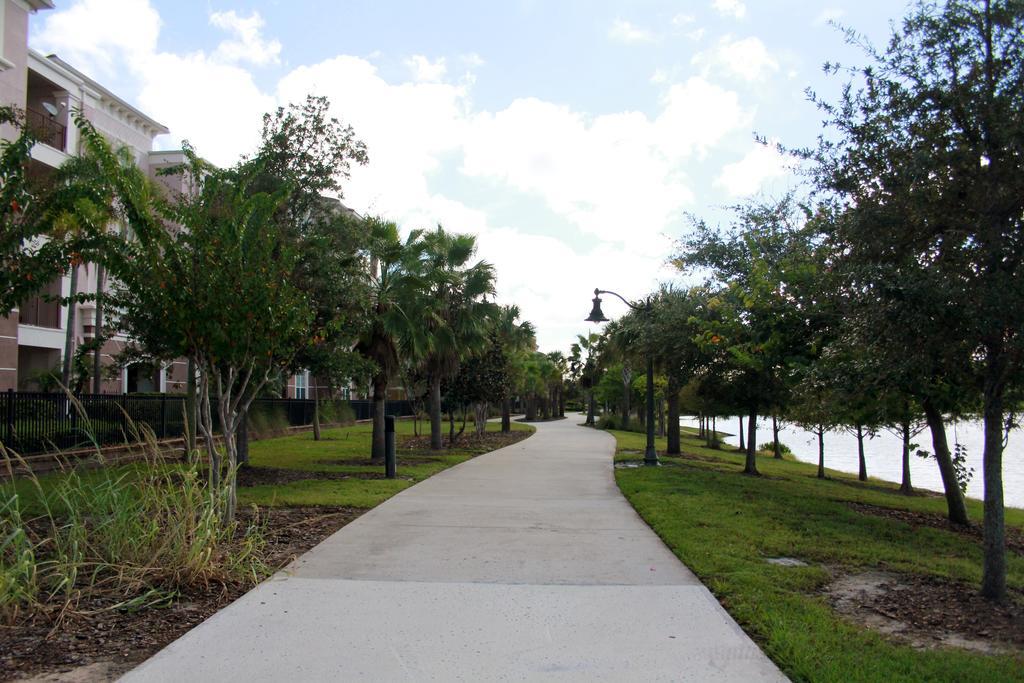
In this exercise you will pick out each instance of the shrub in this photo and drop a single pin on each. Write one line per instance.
(265, 420)
(770, 446)
(134, 535)
(608, 421)
(337, 412)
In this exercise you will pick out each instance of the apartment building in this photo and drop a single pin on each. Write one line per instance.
(48, 90)
(34, 336)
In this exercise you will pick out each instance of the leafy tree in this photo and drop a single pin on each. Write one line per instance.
(306, 150)
(929, 153)
(482, 379)
(761, 321)
(672, 332)
(221, 289)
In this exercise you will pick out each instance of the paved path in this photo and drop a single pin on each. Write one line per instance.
(525, 563)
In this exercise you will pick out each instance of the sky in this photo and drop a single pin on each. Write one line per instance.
(575, 138)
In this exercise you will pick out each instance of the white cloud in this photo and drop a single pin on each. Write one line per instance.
(620, 177)
(425, 71)
(623, 31)
(731, 8)
(763, 163)
(472, 60)
(406, 126)
(100, 36)
(745, 58)
(683, 19)
(248, 44)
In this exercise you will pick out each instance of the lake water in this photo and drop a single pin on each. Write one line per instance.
(883, 454)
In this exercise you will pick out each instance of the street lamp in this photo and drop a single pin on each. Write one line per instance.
(597, 316)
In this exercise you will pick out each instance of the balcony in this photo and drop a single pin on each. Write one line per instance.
(48, 131)
(42, 310)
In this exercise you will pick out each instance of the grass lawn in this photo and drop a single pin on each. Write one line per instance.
(342, 452)
(724, 525)
(345, 451)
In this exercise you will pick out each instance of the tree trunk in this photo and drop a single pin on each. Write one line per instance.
(714, 431)
(206, 423)
(380, 390)
(69, 333)
(993, 572)
(242, 439)
(673, 423)
(480, 417)
(862, 472)
(776, 447)
(435, 414)
(821, 453)
(506, 415)
(191, 415)
(531, 408)
(97, 356)
(561, 402)
(905, 485)
(954, 496)
(750, 466)
(590, 408)
(743, 441)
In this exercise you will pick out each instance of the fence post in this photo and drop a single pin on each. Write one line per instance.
(390, 466)
(122, 399)
(9, 419)
(163, 416)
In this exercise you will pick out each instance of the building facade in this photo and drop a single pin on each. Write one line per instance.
(34, 336)
(48, 90)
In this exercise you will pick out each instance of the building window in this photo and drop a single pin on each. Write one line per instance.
(301, 385)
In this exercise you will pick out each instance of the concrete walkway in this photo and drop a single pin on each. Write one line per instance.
(525, 563)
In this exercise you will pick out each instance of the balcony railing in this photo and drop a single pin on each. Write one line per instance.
(48, 131)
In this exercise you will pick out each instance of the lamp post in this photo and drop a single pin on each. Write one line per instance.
(597, 316)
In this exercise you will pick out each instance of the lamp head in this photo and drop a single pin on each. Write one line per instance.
(596, 314)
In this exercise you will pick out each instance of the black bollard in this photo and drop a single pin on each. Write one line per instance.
(389, 447)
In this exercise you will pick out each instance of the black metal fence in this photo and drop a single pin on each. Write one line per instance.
(33, 422)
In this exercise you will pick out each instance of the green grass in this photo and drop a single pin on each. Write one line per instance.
(342, 450)
(345, 450)
(724, 524)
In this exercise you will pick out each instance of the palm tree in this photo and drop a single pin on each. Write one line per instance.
(391, 329)
(583, 364)
(513, 336)
(556, 377)
(456, 311)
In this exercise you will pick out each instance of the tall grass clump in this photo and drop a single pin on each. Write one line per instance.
(126, 536)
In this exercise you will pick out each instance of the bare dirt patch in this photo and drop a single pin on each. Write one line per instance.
(469, 440)
(400, 461)
(274, 476)
(1014, 536)
(98, 643)
(929, 612)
